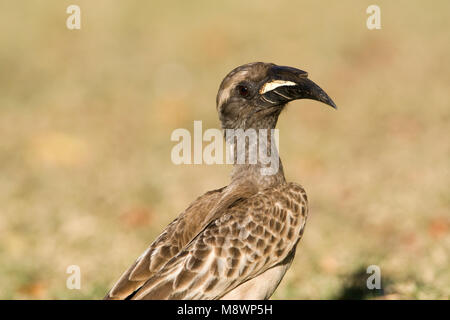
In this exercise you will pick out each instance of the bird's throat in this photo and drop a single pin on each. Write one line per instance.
(255, 156)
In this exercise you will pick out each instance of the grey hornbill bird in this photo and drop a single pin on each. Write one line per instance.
(236, 242)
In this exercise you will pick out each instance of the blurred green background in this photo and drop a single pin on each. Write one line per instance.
(86, 117)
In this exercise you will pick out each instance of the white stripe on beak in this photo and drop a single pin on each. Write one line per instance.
(269, 86)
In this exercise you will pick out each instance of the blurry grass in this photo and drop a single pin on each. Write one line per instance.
(86, 117)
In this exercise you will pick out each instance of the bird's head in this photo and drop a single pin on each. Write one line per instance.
(254, 94)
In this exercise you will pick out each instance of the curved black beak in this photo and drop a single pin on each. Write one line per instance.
(286, 84)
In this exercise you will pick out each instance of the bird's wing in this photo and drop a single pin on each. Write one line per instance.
(174, 237)
(252, 236)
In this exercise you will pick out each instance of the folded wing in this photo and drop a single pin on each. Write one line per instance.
(252, 236)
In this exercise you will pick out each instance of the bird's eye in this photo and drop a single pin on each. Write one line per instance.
(243, 91)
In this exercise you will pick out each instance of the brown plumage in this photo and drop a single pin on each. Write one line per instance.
(236, 242)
